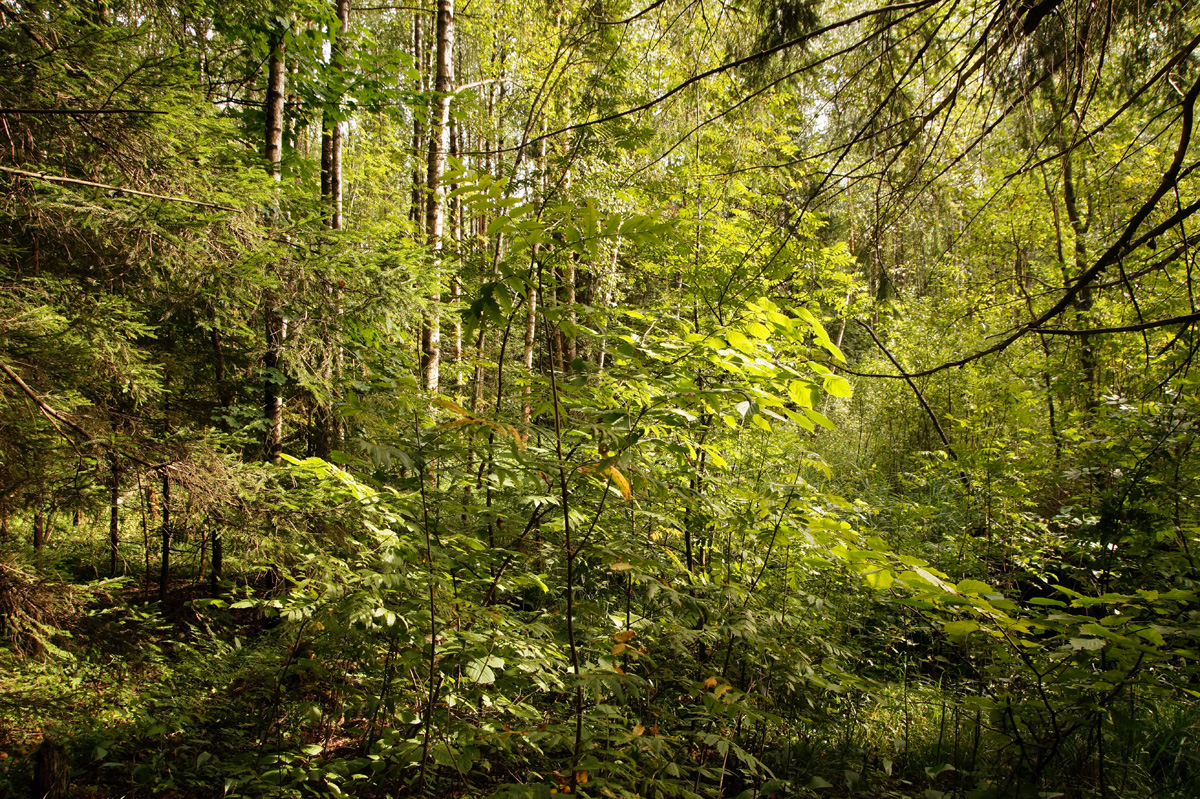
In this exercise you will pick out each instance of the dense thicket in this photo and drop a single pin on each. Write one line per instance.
(684, 399)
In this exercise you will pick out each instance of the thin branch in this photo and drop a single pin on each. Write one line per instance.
(636, 16)
(432, 11)
(73, 111)
(908, 379)
(731, 65)
(1186, 319)
(122, 189)
(54, 416)
(1122, 247)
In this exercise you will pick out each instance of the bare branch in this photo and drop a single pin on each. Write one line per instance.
(73, 111)
(122, 189)
(1186, 319)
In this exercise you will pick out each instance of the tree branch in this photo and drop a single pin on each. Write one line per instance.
(1186, 319)
(1122, 247)
(72, 111)
(77, 182)
(920, 397)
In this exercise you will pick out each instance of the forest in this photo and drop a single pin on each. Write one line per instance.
(680, 399)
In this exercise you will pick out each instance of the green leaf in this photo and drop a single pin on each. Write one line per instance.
(820, 418)
(758, 330)
(800, 392)
(478, 671)
(838, 386)
(960, 628)
(738, 341)
(880, 579)
(1089, 644)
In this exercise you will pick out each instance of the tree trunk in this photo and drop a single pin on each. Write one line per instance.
(114, 517)
(456, 236)
(273, 382)
(531, 293)
(225, 391)
(325, 422)
(331, 128)
(439, 145)
(531, 298)
(273, 322)
(571, 350)
(39, 531)
(51, 771)
(1085, 299)
(164, 571)
(276, 88)
(218, 560)
(416, 207)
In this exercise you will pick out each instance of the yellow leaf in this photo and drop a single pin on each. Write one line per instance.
(581, 777)
(722, 689)
(711, 682)
(639, 729)
(452, 406)
(619, 648)
(618, 669)
(619, 481)
(517, 438)
(625, 636)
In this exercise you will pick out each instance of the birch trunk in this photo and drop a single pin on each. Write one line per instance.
(273, 322)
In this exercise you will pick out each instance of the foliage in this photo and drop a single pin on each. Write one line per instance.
(813, 419)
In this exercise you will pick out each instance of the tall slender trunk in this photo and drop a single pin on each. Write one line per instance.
(274, 104)
(114, 517)
(272, 382)
(225, 392)
(1085, 299)
(570, 344)
(456, 237)
(417, 206)
(439, 145)
(164, 571)
(273, 323)
(531, 309)
(531, 293)
(332, 129)
(325, 421)
(39, 531)
(218, 561)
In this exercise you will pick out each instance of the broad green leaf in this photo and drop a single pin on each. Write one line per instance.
(1089, 644)
(838, 386)
(880, 579)
(478, 671)
(960, 628)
